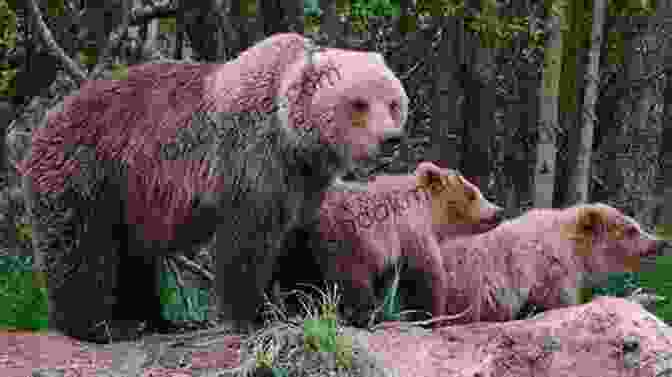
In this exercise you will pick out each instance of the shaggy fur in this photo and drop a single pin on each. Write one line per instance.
(399, 219)
(127, 171)
(542, 258)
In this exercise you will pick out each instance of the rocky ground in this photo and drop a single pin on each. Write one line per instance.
(606, 337)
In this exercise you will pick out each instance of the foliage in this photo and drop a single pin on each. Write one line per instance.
(311, 8)
(23, 300)
(360, 11)
(7, 81)
(181, 303)
(321, 331)
(313, 345)
(24, 232)
(248, 8)
(660, 282)
(391, 305)
(7, 26)
(168, 25)
(631, 7)
(55, 8)
(618, 285)
(495, 30)
(88, 56)
(8, 36)
(322, 335)
(664, 231)
(119, 72)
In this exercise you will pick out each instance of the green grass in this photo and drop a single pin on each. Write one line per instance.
(660, 281)
(23, 303)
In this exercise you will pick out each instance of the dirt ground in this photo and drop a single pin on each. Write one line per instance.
(608, 337)
(154, 356)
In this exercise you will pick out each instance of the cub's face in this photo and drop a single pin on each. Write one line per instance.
(455, 200)
(358, 102)
(612, 241)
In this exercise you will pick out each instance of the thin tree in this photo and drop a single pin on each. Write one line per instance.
(544, 179)
(631, 146)
(579, 178)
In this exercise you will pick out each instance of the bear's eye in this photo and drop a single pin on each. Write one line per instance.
(394, 107)
(631, 231)
(360, 106)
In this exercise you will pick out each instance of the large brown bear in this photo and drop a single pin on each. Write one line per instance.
(542, 258)
(127, 171)
(400, 219)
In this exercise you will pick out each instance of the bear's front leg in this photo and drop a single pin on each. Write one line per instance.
(84, 283)
(244, 260)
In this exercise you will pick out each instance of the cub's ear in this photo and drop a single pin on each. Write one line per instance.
(428, 175)
(426, 166)
(590, 220)
(431, 176)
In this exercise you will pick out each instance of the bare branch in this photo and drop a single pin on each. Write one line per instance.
(140, 15)
(136, 16)
(619, 89)
(193, 266)
(45, 34)
(113, 40)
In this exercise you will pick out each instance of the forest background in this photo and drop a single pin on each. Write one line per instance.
(540, 103)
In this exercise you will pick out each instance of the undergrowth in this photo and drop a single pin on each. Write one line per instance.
(312, 345)
(23, 301)
(23, 296)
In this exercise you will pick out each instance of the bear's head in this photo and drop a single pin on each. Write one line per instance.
(456, 202)
(356, 101)
(609, 241)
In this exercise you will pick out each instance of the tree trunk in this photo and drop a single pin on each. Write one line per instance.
(447, 108)
(579, 181)
(294, 16)
(629, 153)
(282, 16)
(247, 20)
(571, 103)
(205, 25)
(7, 115)
(179, 33)
(480, 88)
(662, 204)
(152, 41)
(520, 123)
(544, 177)
(665, 180)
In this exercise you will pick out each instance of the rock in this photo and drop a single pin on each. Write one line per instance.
(607, 337)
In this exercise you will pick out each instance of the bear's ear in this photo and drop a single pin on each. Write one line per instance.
(428, 175)
(590, 220)
(453, 180)
(425, 166)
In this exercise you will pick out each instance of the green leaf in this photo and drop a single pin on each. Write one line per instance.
(167, 25)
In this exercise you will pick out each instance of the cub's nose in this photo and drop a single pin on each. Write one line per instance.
(499, 215)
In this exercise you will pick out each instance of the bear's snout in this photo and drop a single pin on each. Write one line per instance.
(657, 247)
(497, 215)
(493, 215)
(653, 246)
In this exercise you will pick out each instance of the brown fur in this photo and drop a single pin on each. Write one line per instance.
(542, 258)
(399, 220)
